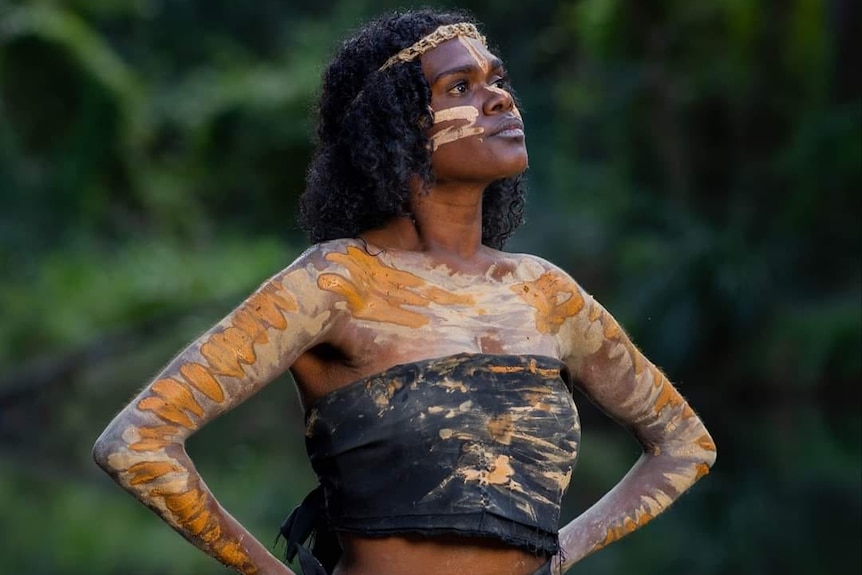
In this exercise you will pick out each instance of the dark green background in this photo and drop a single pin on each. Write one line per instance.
(694, 164)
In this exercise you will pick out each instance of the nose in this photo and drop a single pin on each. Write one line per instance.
(498, 100)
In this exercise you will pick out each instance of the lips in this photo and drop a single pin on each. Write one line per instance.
(511, 127)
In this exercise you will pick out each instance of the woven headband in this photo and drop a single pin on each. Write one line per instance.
(434, 39)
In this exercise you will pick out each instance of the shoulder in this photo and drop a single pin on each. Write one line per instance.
(321, 254)
(304, 279)
(537, 268)
(555, 295)
(321, 258)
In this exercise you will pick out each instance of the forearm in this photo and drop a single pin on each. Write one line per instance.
(648, 489)
(166, 481)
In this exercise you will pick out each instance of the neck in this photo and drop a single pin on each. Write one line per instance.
(448, 219)
(446, 222)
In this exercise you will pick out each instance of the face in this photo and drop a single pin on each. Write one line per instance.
(477, 134)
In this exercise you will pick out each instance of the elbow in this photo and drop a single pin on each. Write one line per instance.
(697, 449)
(709, 456)
(704, 464)
(106, 446)
(706, 454)
(707, 445)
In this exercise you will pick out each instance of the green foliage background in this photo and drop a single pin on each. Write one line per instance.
(694, 164)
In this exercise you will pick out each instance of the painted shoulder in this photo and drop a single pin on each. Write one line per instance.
(542, 267)
(316, 254)
(318, 259)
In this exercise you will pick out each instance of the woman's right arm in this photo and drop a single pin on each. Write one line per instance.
(143, 448)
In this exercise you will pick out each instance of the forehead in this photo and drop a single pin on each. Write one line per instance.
(455, 53)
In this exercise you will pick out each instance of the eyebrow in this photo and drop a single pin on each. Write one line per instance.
(495, 64)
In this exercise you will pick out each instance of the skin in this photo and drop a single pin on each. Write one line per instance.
(417, 288)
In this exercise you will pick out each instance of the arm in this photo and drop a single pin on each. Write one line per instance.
(143, 448)
(614, 374)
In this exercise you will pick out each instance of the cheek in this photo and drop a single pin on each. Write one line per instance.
(457, 160)
(460, 123)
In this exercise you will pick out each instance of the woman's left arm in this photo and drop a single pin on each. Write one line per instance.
(615, 375)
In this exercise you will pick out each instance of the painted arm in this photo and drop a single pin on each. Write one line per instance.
(143, 448)
(677, 449)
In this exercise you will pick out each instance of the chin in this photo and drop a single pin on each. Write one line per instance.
(518, 166)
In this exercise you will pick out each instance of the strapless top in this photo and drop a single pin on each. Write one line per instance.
(475, 445)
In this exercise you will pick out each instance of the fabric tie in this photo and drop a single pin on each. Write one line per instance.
(299, 526)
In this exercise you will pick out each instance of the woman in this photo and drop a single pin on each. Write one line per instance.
(435, 370)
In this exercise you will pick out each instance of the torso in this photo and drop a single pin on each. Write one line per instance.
(418, 556)
(398, 307)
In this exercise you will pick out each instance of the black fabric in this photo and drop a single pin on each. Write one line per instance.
(306, 519)
(472, 444)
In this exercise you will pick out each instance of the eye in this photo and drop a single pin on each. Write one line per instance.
(459, 87)
(502, 82)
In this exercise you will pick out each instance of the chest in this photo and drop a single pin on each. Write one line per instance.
(404, 314)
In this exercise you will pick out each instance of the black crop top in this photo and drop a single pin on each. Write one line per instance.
(470, 444)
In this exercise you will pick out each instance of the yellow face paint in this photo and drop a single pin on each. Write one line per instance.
(452, 133)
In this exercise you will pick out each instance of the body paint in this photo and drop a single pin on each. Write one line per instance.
(376, 292)
(481, 61)
(486, 315)
(468, 113)
(150, 460)
(553, 298)
(452, 133)
(485, 66)
(624, 383)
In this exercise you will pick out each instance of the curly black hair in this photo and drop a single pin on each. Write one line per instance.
(372, 137)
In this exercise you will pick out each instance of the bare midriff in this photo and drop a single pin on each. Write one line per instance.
(420, 555)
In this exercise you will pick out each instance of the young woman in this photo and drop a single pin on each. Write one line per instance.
(435, 370)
